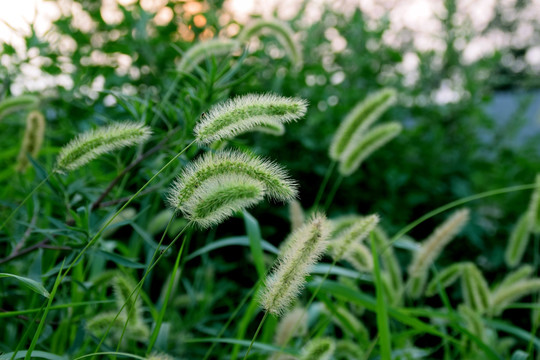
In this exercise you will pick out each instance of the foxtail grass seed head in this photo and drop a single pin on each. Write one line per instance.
(341, 245)
(359, 119)
(219, 197)
(247, 113)
(360, 257)
(279, 185)
(123, 287)
(89, 145)
(349, 350)
(432, 247)
(416, 284)
(318, 349)
(521, 273)
(271, 128)
(282, 32)
(534, 208)
(206, 49)
(100, 324)
(389, 261)
(473, 321)
(159, 356)
(307, 245)
(13, 104)
(517, 244)
(475, 288)
(444, 278)
(340, 224)
(362, 146)
(504, 296)
(32, 140)
(296, 214)
(294, 323)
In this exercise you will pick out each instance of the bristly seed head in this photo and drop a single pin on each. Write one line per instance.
(248, 113)
(91, 144)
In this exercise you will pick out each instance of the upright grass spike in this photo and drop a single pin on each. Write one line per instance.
(362, 146)
(218, 197)
(517, 244)
(534, 208)
(444, 278)
(475, 288)
(307, 245)
(341, 245)
(32, 140)
(359, 119)
(206, 49)
(318, 349)
(503, 297)
(278, 184)
(17, 103)
(91, 144)
(431, 248)
(247, 113)
(281, 31)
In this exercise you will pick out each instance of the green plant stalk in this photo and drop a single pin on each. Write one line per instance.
(25, 200)
(329, 172)
(382, 315)
(333, 192)
(457, 203)
(30, 327)
(54, 307)
(44, 316)
(161, 315)
(255, 335)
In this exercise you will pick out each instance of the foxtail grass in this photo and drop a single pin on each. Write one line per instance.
(206, 49)
(32, 140)
(17, 103)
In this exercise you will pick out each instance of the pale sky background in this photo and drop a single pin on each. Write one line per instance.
(420, 16)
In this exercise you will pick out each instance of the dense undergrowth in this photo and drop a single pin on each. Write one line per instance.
(237, 200)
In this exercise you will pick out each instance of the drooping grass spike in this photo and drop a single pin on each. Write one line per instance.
(205, 49)
(521, 273)
(519, 239)
(340, 246)
(444, 278)
(247, 113)
(360, 257)
(475, 288)
(318, 349)
(281, 31)
(505, 296)
(363, 146)
(279, 185)
(306, 246)
(16, 103)
(32, 140)
(219, 197)
(431, 248)
(359, 119)
(91, 144)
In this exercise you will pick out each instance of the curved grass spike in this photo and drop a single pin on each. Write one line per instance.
(348, 350)
(473, 321)
(363, 146)
(287, 327)
(281, 31)
(503, 297)
(517, 244)
(32, 140)
(205, 49)
(278, 184)
(271, 128)
(444, 278)
(307, 245)
(359, 257)
(431, 248)
(342, 223)
(389, 260)
(318, 349)
(475, 288)
(91, 144)
(16, 103)
(219, 197)
(521, 273)
(359, 119)
(247, 113)
(341, 245)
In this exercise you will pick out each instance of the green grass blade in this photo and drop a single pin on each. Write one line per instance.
(255, 241)
(29, 283)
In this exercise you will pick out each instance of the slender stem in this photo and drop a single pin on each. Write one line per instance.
(24, 201)
(329, 172)
(333, 192)
(256, 333)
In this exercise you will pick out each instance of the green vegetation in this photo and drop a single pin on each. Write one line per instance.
(399, 223)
